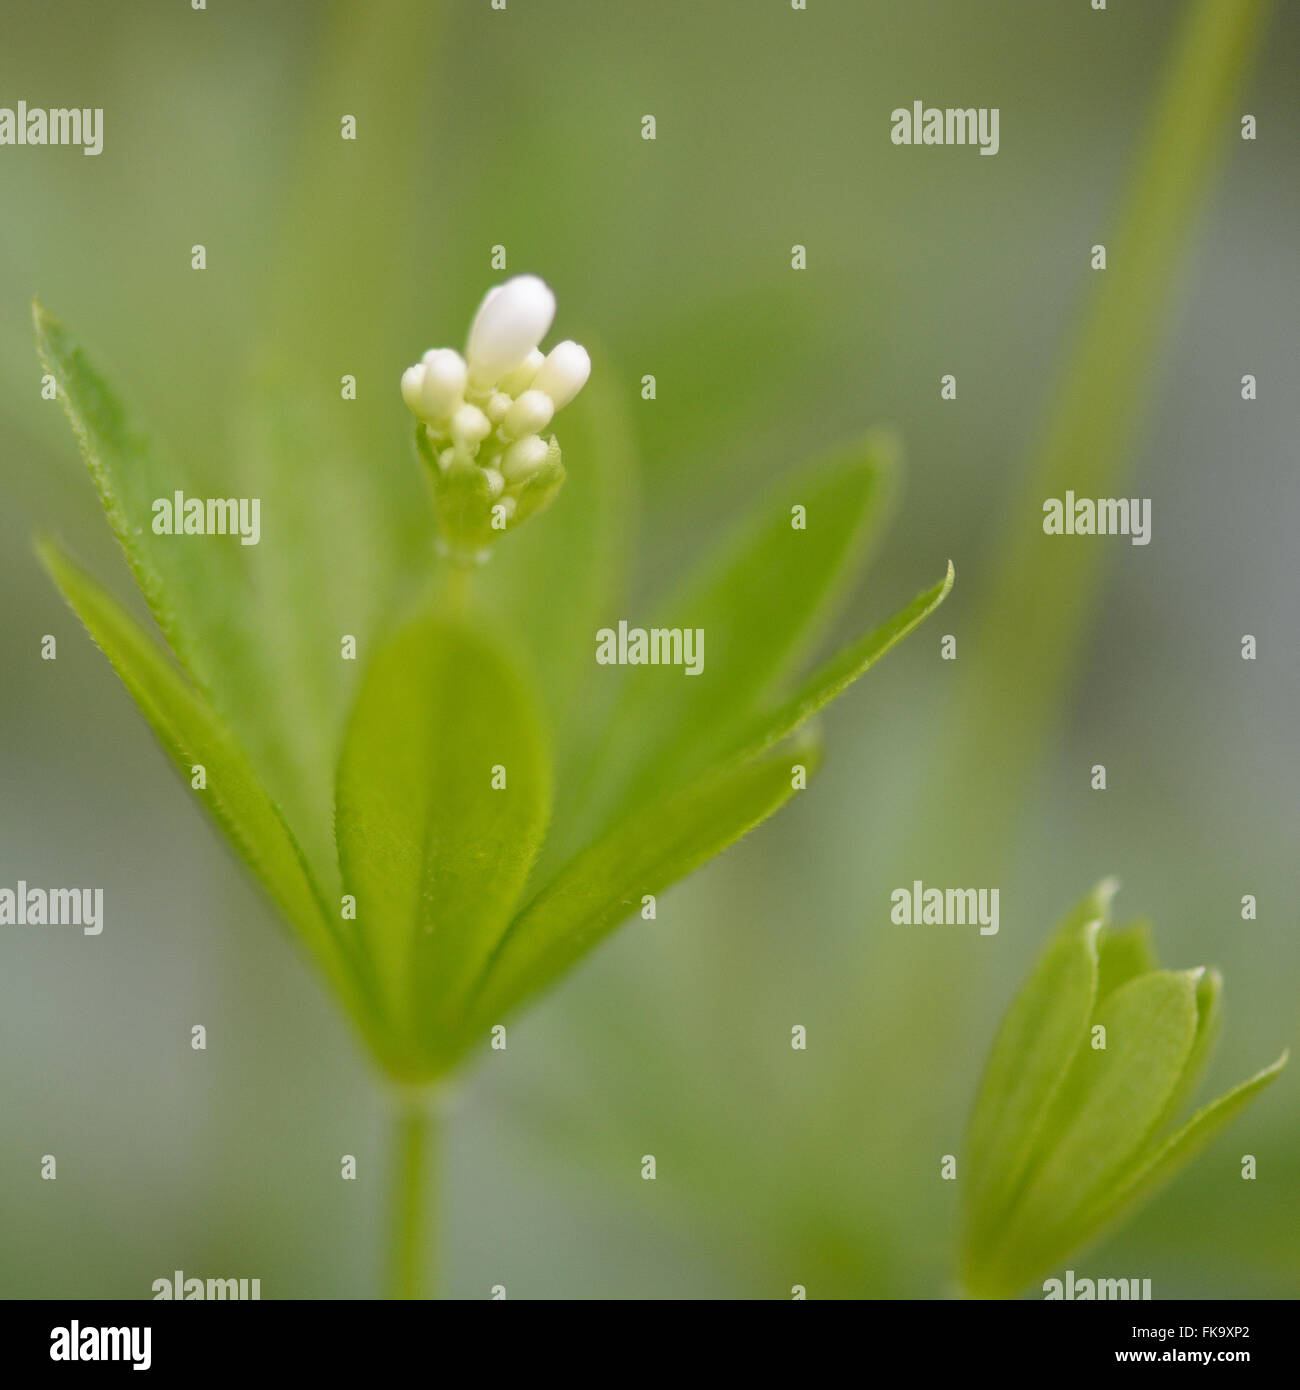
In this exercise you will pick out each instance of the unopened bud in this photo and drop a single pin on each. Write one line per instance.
(513, 383)
(564, 372)
(443, 383)
(523, 457)
(510, 323)
(530, 413)
(470, 426)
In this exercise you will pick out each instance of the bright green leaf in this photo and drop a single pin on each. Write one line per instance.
(176, 581)
(762, 601)
(192, 735)
(836, 675)
(1169, 1156)
(644, 854)
(1036, 1043)
(1123, 953)
(443, 793)
(1105, 1112)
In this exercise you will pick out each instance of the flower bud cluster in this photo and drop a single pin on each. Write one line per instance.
(481, 417)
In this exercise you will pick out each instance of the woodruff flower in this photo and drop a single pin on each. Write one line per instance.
(1074, 1121)
(480, 417)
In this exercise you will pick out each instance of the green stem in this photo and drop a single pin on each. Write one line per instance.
(454, 584)
(411, 1228)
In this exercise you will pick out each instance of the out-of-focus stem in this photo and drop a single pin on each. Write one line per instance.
(412, 1215)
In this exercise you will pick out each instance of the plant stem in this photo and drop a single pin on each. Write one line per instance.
(455, 581)
(411, 1221)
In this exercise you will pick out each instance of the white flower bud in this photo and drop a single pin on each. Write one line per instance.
(470, 426)
(412, 382)
(523, 457)
(513, 383)
(497, 405)
(443, 383)
(510, 322)
(530, 413)
(496, 484)
(564, 372)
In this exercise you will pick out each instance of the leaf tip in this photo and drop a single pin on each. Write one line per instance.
(49, 552)
(1105, 891)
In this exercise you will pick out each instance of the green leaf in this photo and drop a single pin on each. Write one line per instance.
(176, 582)
(1104, 1114)
(836, 675)
(644, 854)
(1209, 1024)
(339, 536)
(256, 627)
(1123, 953)
(1031, 1056)
(1171, 1155)
(435, 854)
(761, 602)
(191, 734)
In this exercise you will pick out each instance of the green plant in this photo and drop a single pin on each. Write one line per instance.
(409, 825)
(1074, 1122)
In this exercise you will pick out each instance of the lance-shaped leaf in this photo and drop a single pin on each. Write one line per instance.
(192, 735)
(762, 601)
(1059, 1153)
(1035, 1045)
(833, 677)
(1123, 953)
(645, 853)
(255, 627)
(1108, 1107)
(178, 584)
(1166, 1158)
(444, 788)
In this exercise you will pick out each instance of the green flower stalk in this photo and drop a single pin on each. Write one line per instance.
(1074, 1123)
(442, 840)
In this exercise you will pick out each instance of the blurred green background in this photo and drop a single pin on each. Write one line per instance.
(477, 128)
